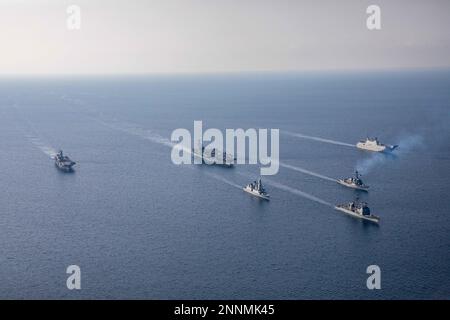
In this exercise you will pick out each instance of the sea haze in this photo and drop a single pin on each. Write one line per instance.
(141, 227)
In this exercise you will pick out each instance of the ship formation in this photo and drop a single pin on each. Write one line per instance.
(354, 208)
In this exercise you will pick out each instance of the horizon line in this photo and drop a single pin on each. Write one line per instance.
(231, 72)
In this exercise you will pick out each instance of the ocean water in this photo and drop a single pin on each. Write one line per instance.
(141, 227)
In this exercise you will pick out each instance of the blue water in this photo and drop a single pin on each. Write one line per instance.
(141, 227)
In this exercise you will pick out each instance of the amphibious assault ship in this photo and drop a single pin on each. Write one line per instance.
(63, 162)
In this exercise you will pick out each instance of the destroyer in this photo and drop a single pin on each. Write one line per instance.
(374, 145)
(357, 209)
(354, 182)
(63, 162)
(256, 188)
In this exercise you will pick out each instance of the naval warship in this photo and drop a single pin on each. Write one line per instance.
(354, 182)
(374, 145)
(256, 188)
(63, 162)
(358, 209)
(227, 160)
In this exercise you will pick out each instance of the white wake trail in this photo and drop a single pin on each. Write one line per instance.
(303, 136)
(156, 138)
(153, 137)
(311, 173)
(297, 192)
(137, 131)
(148, 135)
(45, 148)
(220, 178)
(29, 133)
(291, 190)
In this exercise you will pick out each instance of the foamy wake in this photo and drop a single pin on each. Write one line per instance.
(296, 192)
(146, 134)
(292, 190)
(156, 138)
(137, 131)
(290, 167)
(222, 179)
(29, 133)
(311, 173)
(45, 148)
(303, 136)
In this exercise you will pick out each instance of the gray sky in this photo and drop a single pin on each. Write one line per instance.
(178, 36)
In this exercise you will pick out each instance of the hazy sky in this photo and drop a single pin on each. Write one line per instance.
(159, 36)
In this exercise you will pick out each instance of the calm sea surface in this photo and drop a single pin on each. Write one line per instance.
(141, 227)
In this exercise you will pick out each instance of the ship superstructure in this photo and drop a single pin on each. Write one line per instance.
(63, 162)
(374, 145)
(358, 209)
(256, 188)
(354, 182)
